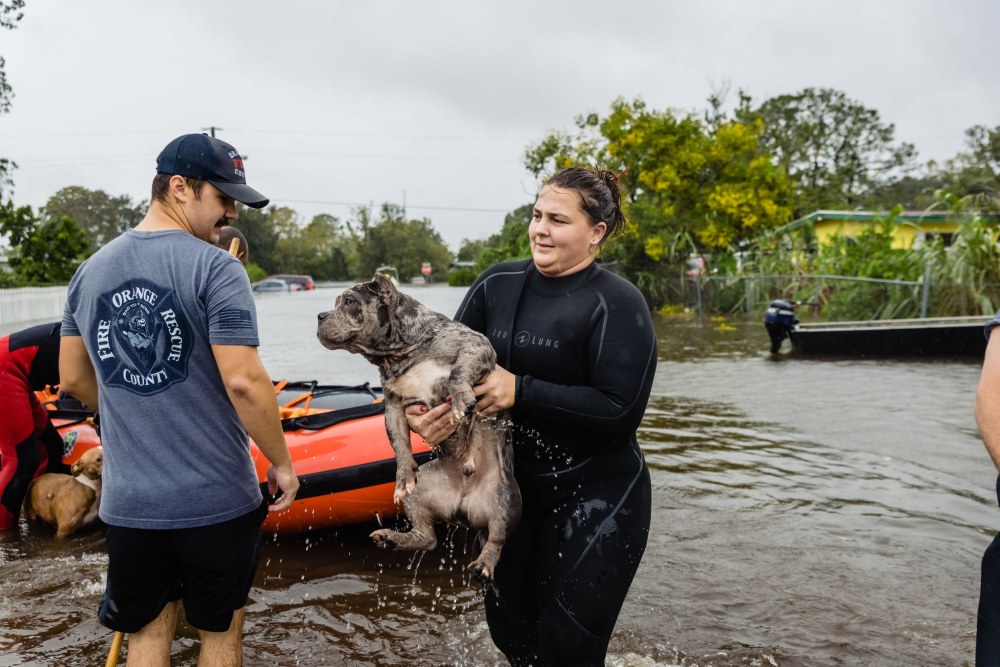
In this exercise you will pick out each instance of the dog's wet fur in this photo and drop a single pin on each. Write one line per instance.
(423, 357)
(68, 502)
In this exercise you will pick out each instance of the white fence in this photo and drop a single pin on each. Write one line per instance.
(28, 304)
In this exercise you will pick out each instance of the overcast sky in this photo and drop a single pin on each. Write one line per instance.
(432, 103)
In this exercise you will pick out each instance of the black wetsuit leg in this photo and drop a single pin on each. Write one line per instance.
(13, 493)
(561, 585)
(988, 618)
(54, 447)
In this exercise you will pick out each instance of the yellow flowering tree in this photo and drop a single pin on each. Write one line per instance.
(693, 185)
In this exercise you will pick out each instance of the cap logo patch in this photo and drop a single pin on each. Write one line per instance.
(237, 164)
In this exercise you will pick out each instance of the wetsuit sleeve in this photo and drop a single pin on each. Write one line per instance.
(44, 368)
(472, 312)
(621, 360)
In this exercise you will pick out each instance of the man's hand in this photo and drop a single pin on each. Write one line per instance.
(282, 478)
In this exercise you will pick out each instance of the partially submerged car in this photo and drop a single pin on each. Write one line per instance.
(296, 280)
(272, 285)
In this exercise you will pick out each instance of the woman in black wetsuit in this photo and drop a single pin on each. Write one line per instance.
(576, 352)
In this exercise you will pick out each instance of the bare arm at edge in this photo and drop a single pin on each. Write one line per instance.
(76, 372)
(988, 400)
(252, 393)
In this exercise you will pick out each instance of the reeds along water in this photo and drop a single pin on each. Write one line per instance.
(805, 512)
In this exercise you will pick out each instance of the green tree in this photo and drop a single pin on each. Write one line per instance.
(837, 151)
(694, 185)
(984, 148)
(43, 251)
(320, 249)
(913, 192)
(261, 236)
(331, 242)
(17, 222)
(972, 176)
(470, 250)
(712, 182)
(395, 241)
(289, 252)
(976, 171)
(10, 14)
(101, 216)
(510, 243)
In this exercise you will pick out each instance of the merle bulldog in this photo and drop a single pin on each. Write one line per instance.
(423, 357)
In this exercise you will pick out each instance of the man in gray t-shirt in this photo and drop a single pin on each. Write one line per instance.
(160, 333)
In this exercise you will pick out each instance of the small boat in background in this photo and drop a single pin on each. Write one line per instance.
(916, 337)
(336, 436)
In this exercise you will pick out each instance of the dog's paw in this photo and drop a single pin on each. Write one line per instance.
(383, 539)
(481, 572)
(404, 487)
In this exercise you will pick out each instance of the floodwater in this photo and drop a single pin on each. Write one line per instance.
(806, 512)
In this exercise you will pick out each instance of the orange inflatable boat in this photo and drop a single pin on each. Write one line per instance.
(337, 439)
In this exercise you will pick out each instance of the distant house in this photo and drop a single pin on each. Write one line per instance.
(4, 262)
(911, 227)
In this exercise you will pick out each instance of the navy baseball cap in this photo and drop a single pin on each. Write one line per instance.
(209, 159)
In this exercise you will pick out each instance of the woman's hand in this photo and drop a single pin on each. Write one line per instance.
(434, 425)
(496, 392)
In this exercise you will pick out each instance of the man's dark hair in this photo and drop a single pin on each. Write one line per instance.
(161, 183)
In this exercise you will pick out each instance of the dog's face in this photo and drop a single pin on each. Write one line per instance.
(91, 464)
(360, 317)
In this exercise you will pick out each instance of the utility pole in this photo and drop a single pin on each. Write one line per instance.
(212, 130)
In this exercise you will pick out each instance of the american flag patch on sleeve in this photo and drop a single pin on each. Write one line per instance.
(234, 319)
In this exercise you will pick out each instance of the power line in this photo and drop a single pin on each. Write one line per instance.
(314, 133)
(106, 159)
(358, 156)
(408, 206)
(372, 135)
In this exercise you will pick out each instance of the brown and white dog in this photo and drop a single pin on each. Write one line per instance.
(423, 357)
(68, 502)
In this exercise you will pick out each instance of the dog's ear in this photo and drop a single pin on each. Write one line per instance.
(76, 468)
(385, 290)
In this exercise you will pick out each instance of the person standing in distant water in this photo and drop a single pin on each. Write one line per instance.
(29, 443)
(226, 236)
(160, 331)
(576, 353)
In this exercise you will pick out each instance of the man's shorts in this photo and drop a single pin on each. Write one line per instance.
(210, 568)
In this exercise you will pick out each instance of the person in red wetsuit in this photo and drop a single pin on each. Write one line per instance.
(29, 443)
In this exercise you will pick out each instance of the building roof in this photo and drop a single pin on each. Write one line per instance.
(868, 216)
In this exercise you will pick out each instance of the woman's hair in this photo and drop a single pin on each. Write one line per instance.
(600, 195)
(161, 183)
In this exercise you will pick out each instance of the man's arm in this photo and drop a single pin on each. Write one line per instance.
(76, 372)
(988, 400)
(252, 393)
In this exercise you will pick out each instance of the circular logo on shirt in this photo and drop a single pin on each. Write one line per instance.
(141, 338)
